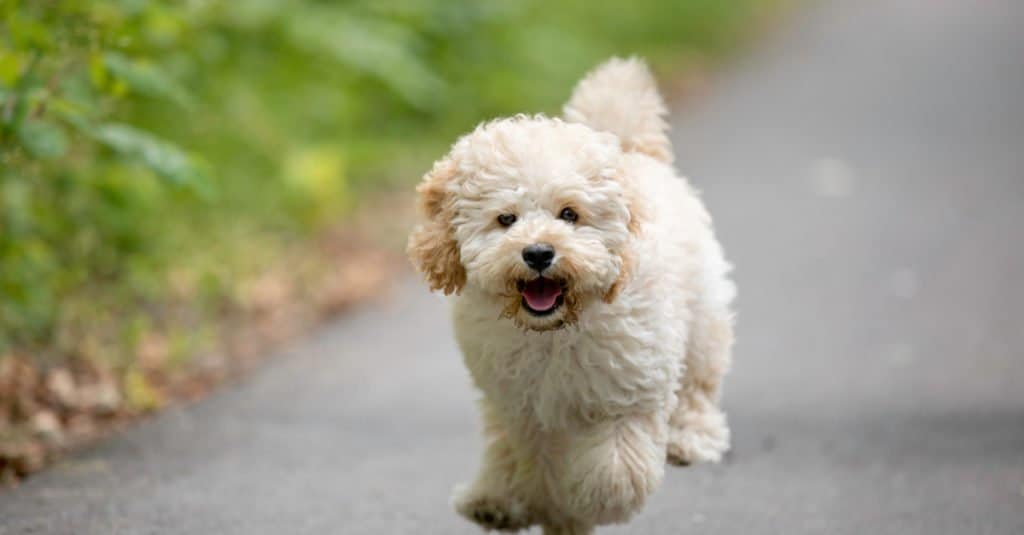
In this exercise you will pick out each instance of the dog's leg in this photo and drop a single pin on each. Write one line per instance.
(490, 500)
(609, 468)
(698, 428)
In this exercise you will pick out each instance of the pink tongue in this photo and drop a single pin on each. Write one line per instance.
(541, 294)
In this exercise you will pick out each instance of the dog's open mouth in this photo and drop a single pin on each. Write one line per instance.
(541, 296)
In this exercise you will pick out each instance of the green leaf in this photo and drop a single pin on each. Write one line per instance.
(165, 159)
(71, 113)
(374, 47)
(28, 33)
(43, 139)
(145, 79)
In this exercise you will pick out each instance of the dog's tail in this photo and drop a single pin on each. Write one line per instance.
(621, 97)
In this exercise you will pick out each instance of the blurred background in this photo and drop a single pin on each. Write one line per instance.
(188, 187)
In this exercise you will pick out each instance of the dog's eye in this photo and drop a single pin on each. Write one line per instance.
(568, 214)
(506, 220)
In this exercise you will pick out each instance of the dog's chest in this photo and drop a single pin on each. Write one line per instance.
(562, 378)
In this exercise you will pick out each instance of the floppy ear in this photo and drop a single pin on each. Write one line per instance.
(432, 247)
(624, 273)
(637, 217)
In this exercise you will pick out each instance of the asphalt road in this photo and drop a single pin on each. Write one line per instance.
(866, 171)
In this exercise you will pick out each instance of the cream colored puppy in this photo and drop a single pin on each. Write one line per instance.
(592, 305)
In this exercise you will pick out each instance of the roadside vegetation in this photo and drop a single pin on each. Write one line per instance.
(178, 179)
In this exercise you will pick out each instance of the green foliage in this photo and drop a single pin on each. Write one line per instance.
(145, 79)
(165, 159)
(142, 138)
(42, 139)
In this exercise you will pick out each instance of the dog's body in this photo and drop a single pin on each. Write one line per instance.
(603, 358)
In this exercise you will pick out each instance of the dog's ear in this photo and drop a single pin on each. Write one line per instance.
(637, 217)
(638, 214)
(432, 247)
(624, 273)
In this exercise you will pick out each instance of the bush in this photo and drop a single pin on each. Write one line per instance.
(148, 143)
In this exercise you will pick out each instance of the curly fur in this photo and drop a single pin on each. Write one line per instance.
(432, 247)
(639, 120)
(583, 406)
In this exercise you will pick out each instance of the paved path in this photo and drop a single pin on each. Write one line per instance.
(866, 170)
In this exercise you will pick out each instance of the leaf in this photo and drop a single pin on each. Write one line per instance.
(370, 46)
(145, 79)
(43, 139)
(165, 159)
(71, 113)
(139, 393)
(10, 66)
(97, 70)
(28, 33)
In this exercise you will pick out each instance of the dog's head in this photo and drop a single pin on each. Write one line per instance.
(531, 212)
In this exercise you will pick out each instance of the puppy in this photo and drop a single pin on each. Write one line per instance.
(592, 305)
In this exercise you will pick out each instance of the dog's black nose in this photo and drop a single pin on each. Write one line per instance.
(539, 255)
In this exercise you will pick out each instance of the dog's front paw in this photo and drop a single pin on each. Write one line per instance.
(492, 512)
(703, 439)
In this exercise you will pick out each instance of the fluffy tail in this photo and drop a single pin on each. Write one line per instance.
(621, 97)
